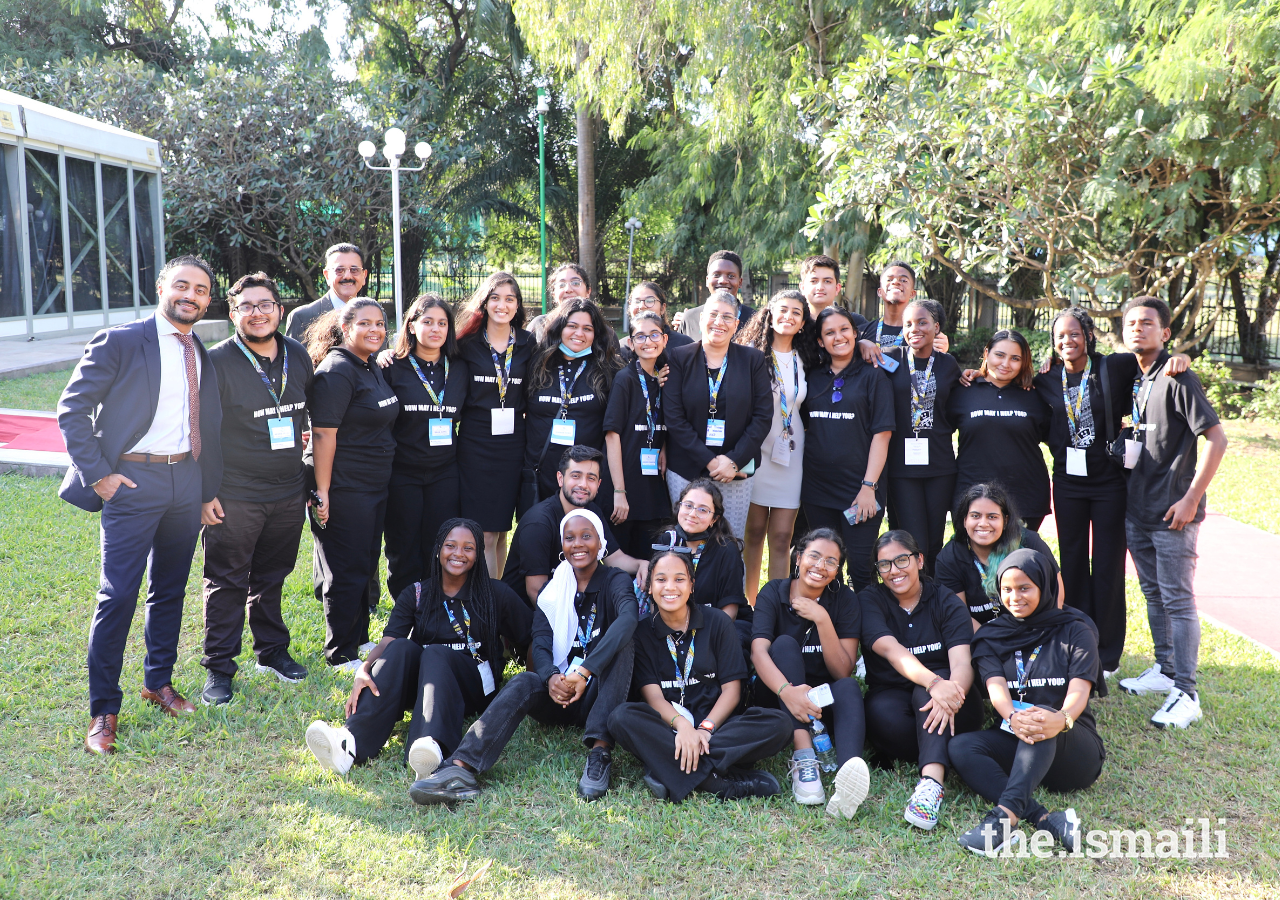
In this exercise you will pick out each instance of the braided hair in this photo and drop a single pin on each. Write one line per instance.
(480, 601)
(1081, 315)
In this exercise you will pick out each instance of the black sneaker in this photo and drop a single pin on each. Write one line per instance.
(446, 784)
(992, 835)
(739, 783)
(594, 782)
(656, 787)
(1064, 825)
(217, 689)
(283, 666)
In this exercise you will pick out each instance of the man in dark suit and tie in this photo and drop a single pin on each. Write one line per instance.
(141, 418)
(345, 273)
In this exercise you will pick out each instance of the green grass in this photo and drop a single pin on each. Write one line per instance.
(228, 803)
(1246, 487)
(38, 392)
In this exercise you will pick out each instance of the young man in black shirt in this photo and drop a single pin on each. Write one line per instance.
(1166, 506)
(253, 526)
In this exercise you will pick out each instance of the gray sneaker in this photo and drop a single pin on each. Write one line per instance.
(594, 782)
(446, 784)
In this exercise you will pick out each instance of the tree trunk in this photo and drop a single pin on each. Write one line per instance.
(854, 292)
(587, 192)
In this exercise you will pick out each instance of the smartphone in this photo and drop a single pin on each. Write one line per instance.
(851, 514)
(314, 497)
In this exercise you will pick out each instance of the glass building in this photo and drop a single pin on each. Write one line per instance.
(81, 222)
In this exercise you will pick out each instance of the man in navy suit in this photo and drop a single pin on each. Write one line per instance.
(142, 418)
(345, 273)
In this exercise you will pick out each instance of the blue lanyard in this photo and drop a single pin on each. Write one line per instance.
(648, 409)
(497, 365)
(1140, 404)
(682, 680)
(897, 338)
(566, 392)
(787, 409)
(284, 378)
(1021, 686)
(713, 387)
(585, 639)
(918, 396)
(1075, 412)
(466, 636)
(438, 401)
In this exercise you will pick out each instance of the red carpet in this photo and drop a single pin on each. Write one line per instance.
(30, 433)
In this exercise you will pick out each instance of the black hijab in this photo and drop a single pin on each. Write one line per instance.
(997, 640)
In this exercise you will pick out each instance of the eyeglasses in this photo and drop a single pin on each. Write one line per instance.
(266, 307)
(817, 559)
(654, 336)
(836, 395)
(343, 270)
(902, 562)
(721, 317)
(646, 302)
(572, 282)
(688, 506)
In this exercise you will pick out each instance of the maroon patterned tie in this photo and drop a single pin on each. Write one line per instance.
(193, 392)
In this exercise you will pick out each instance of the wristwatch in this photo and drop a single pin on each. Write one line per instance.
(874, 485)
(707, 725)
(1070, 722)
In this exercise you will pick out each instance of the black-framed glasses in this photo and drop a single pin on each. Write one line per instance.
(837, 387)
(266, 307)
(646, 302)
(654, 336)
(902, 562)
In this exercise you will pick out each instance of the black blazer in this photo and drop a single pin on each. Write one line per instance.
(301, 318)
(110, 401)
(745, 403)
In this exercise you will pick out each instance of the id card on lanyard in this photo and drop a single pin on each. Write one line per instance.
(584, 640)
(482, 665)
(682, 679)
(783, 446)
(649, 455)
(439, 430)
(1141, 395)
(1076, 463)
(916, 449)
(563, 429)
(715, 427)
(280, 428)
(1021, 686)
(502, 420)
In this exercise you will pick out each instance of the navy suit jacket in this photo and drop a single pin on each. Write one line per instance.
(110, 401)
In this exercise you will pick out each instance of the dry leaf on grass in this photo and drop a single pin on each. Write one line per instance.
(464, 881)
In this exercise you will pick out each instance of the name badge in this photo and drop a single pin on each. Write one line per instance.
(440, 432)
(1076, 464)
(648, 461)
(502, 421)
(917, 451)
(888, 363)
(781, 451)
(1018, 706)
(562, 431)
(281, 433)
(1132, 450)
(715, 432)
(486, 677)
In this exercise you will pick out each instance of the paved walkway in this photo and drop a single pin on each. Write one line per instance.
(60, 351)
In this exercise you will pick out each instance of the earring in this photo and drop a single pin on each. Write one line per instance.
(561, 556)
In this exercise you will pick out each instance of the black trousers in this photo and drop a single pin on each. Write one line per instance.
(858, 540)
(1034, 523)
(1094, 581)
(1005, 770)
(635, 536)
(246, 560)
(344, 561)
(920, 506)
(526, 695)
(417, 505)
(440, 685)
(753, 735)
(895, 725)
(843, 719)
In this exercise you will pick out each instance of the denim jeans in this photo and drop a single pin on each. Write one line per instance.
(1166, 564)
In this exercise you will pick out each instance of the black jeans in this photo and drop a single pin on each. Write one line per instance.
(843, 719)
(742, 739)
(440, 685)
(526, 695)
(895, 724)
(344, 562)
(858, 540)
(417, 505)
(1005, 770)
(246, 560)
(920, 506)
(1094, 583)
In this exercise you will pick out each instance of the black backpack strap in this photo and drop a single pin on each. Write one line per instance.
(1106, 401)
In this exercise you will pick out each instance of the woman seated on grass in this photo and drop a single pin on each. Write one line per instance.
(806, 634)
(443, 640)
(689, 669)
(918, 673)
(1039, 663)
(580, 669)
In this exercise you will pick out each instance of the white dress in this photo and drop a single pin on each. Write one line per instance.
(775, 485)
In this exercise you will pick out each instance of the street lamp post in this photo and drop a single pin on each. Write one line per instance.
(543, 108)
(392, 150)
(632, 225)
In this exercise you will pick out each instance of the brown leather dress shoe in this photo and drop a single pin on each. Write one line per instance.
(169, 700)
(101, 739)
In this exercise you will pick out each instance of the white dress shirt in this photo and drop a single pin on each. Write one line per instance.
(337, 304)
(170, 430)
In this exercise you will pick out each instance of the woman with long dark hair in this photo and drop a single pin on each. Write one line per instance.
(497, 352)
(442, 646)
(430, 381)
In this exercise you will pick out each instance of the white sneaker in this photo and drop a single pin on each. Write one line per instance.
(1110, 674)
(333, 748)
(852, 782)
(1179, 710)
(1151, 681)
(806, 783)
(351, 666)
(366, 647)
(424, 757)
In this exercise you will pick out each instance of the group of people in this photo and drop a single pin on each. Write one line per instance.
(645, 476)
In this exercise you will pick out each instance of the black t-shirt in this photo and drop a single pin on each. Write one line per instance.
(838, 433)
(775, 616)
(413, 618)
(718, 574)
(956, 569)
(585, 409)
(1000, 434)
(352, 396)
(1103, 471)
(414, 453)
(626, 416)
(938, 623)
(717, 658)
(934, 424)
(537, 543)
(252, 471)
(1176, 413)
(890, 335)
(1071, 652)
(483, 389)
(607, 608)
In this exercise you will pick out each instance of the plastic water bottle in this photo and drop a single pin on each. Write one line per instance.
(822, 746)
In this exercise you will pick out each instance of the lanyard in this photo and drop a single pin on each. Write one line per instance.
(584, 639)
(1021, 686)
(696, 556)
(897, 338)
(787, 409)
(648, 409)
(1140, 404)
(498, 367)
(682, 680)
(438, 401)
(566, 392)
(284, 378)
(713, 387)
(918, 396)
(465, 635)
(1075, 412)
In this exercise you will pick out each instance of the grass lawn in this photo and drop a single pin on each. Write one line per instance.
(39, 392)
(228, 803)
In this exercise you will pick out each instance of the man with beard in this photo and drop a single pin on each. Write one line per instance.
(252, 528)
(535, 548)
(345, 274)
(141, 420)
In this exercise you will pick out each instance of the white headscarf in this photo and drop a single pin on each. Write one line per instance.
(556, 599)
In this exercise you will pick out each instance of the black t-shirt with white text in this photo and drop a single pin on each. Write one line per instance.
(774, 616)
(717, 658)
(626, 416)
(414, 453)
(1000, 434)
(483, 392)
(938, 622)
(934, 424)
(351, 395)
(718, 574)
(1070, 652)
(838, 433)
(957, 570)
(585, 408)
